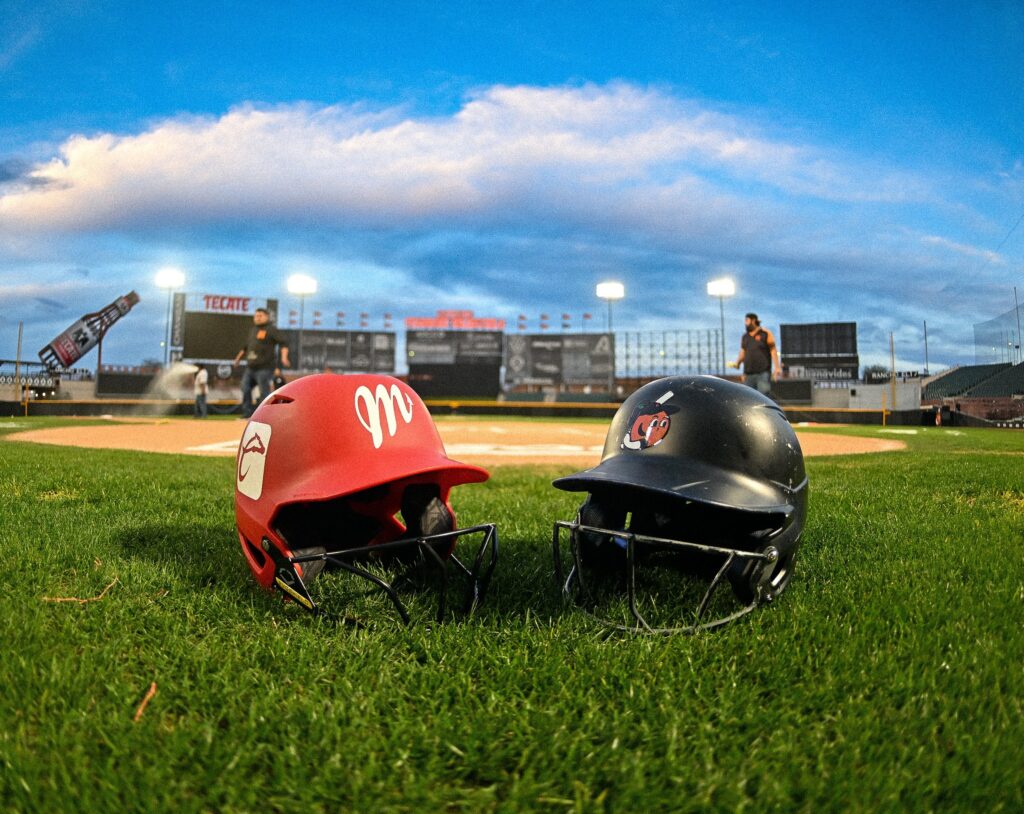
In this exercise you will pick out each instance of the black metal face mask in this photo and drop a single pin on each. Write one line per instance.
(425, 554)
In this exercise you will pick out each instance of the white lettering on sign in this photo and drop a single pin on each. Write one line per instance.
(216, 302)
(373, 409)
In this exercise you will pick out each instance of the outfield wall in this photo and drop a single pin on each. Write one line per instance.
(868, 404)
(599, 410)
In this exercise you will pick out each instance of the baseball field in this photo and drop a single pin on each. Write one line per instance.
(143, 670)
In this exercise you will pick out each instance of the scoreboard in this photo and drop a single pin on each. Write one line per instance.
(213, 328)
(342, 351)
(821, 351)
(455, 362)
(557, 359)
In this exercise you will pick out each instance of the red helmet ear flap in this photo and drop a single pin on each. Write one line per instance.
(261, 565)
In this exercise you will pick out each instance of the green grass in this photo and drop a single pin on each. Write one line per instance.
(888, 678)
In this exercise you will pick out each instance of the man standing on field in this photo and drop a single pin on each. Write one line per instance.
(260, 354)
(759, 356)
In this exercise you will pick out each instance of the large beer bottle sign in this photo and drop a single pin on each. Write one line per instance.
(74, 343)
(82, 336)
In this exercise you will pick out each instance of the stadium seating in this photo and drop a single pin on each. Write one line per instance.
(960, 380)
(1005, 383)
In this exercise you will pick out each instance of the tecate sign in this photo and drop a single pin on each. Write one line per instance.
(221, 304)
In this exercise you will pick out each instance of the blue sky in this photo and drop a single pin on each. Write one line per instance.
(852, 162)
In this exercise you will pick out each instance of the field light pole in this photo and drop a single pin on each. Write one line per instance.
(722, 287)
(1016, 309)
(611, 291)
(302, 285)
(169, 278)
(925, 347)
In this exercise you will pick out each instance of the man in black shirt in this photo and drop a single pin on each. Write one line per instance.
(260, 354)
(758, 355)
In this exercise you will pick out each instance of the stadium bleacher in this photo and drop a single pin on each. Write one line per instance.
(1005, 383)
(960, 380)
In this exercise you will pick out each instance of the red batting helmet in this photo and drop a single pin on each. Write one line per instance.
(333, 470)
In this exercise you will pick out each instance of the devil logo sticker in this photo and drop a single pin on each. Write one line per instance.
(252, 459)
(649, 423)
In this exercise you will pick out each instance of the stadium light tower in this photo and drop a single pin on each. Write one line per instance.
(722, 287)
(169, 278)
(302, 285)
(610, 291)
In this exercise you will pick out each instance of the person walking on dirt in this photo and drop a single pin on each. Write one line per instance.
(200, 388)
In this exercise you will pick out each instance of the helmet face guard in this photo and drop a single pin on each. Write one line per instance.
(347, 473)
(416, 554)
(636, 552)
(699, 477)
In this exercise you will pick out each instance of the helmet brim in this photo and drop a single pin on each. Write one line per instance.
(327, 483)
(685, 480)
(450, 472)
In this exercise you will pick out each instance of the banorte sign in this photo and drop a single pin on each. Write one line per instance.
(463, 320)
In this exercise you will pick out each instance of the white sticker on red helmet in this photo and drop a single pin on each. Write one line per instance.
(372, 409)
(252, 459)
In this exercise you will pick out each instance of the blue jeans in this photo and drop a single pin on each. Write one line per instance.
(260, 377)
(200, 410)
(762, 382)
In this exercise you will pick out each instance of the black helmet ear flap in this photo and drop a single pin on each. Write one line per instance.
(424, 512)
(602, 512)
(760, 581)
(601, 550)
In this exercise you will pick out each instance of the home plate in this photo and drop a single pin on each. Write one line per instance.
(523, 450)
(219, 448)
(455, 450)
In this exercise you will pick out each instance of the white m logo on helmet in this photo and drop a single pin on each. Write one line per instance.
(371, 406)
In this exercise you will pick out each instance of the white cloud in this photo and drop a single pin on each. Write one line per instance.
(53, 286)
(513, 203)
(963, 249)
(508, 150)
(16, 43)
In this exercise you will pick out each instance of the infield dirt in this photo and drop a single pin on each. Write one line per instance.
(481, 442)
